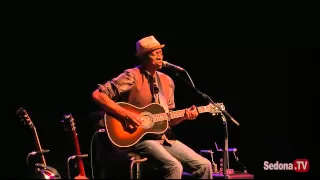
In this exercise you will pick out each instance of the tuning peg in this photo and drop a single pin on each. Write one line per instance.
(222, 106)
(67, 115)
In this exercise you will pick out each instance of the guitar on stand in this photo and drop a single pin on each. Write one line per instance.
(42, 171)
(69, 125)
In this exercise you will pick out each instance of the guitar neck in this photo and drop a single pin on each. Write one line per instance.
(78, 152)
(179, 113)
(38, 145)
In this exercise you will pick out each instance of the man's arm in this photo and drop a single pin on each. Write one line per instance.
(177, 121)
(108, 104)
(190, 114)
(111, 90)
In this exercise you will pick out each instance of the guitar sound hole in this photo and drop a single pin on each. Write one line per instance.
(147, 120)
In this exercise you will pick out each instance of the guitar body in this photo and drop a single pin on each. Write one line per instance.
(121, 136)
(44, 172)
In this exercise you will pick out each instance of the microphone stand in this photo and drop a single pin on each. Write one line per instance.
(224, 120)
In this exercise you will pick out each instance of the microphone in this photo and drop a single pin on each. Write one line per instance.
(169, 65)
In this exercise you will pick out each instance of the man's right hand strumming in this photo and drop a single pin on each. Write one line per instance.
(111, 106)
(133, 119)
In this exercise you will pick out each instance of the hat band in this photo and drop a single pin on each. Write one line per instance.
(148, 46)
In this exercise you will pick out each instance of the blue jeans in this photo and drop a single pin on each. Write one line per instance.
(172, 159)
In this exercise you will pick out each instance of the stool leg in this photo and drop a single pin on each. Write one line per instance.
(131, 169)
(138, 170)
(137, 162)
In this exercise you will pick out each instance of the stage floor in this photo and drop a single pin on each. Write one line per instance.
(236, 175)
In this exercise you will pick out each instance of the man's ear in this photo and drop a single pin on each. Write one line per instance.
(142, 58)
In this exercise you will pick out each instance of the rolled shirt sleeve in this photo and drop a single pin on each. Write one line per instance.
(118, 85)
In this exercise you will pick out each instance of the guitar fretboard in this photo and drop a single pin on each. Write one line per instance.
(181, 113)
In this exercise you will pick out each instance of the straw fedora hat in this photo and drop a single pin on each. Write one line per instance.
(147, 44)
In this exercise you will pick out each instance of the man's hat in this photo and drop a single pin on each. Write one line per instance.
(146, 45)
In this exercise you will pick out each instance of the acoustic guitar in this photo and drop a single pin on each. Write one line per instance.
(69, 126)
(42, 171)
(154, 121)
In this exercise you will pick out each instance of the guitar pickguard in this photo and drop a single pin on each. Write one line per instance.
(147, 120)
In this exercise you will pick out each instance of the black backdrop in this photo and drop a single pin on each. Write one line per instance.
(239, 54)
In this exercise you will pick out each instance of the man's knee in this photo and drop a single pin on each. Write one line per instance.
(175, 166)
(204, 168)
(205, 164)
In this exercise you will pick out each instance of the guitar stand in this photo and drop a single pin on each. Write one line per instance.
(72, 158)
(33, 153)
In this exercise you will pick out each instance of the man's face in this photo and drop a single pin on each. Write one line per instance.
(155, 59)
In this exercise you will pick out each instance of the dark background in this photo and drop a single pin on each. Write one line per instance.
(239, 54)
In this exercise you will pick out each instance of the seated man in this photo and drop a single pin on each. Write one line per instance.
(141, 86)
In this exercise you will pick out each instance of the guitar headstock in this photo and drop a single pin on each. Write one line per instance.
(24, 116)
(68, 122)
(215, 110)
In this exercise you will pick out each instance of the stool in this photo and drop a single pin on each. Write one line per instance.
(135, 159)
(98, 118)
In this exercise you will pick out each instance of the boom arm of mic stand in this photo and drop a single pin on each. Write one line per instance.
(206, 97)
(224, 111)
